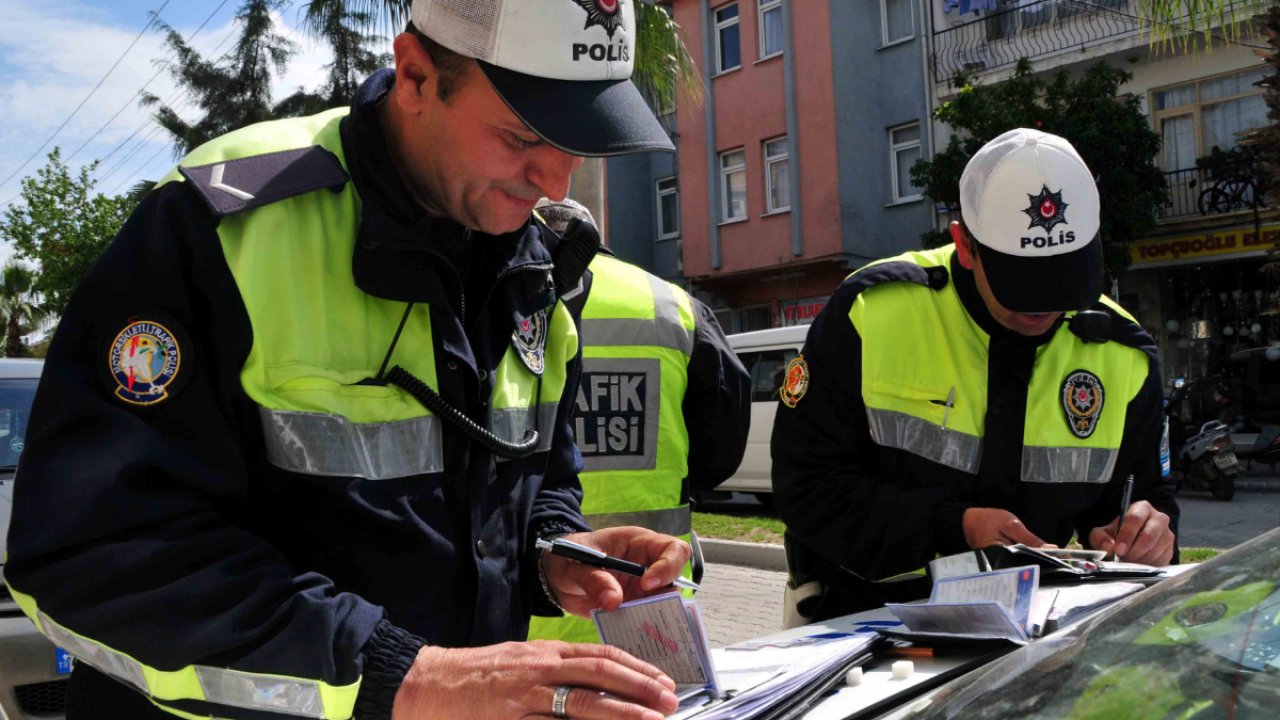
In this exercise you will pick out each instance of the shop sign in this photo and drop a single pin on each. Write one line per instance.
(1188, 248)
(801, 312)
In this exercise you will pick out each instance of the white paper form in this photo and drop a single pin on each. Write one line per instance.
(659, 631)
(1013, 588)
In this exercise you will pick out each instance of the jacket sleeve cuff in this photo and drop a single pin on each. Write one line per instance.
(387, 655)
(537, 596)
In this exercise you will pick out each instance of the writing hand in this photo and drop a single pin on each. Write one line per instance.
(1144, 537)
(581, 588)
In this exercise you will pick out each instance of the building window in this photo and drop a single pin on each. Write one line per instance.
(759, 317)
(895, 20)
(904, 151)
(1195, 118)
(777, 173)
(668, 209)
(733, 185)
(770, 28)
(728, 54)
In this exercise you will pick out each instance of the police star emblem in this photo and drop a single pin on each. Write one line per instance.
(1082, 397)
(1047, 209)
(530, 341)
(602, 13)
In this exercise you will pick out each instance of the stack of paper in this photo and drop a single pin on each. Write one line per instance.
(743, 682)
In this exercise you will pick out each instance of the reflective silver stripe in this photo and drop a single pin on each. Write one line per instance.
(332, 445)
(672, 521)
(510, 424)
(261, 692)
(221, 686)
(101, 657)
(1068, 465)
(666, 311)
(921, 437)
(666, 330)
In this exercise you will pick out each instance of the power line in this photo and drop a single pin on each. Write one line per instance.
(114, 65)
(129, 103)
(137, 172)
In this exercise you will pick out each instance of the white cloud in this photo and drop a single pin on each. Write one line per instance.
(52, 53)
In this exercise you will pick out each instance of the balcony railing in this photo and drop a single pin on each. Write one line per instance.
(1208, 191)
(1029, 30)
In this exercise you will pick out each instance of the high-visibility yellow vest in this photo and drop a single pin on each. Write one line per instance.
(316, 419)
(924, 384)
(637, 336)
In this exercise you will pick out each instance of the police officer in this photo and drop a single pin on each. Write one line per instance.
(977, 394)
(302, 424)
(663, 404)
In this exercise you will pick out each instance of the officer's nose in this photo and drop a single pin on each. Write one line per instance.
(550, 168)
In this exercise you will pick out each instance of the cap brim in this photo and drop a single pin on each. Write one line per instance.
(1055, 283)
(592, 118)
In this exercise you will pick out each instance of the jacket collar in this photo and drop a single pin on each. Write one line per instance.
(402, 252)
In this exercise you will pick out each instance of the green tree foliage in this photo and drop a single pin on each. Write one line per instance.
(1179, 22)
(1107, 127)
(230, 92)
(20, 307)
(61, 225)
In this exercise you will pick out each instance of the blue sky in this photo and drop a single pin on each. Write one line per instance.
(53, 53)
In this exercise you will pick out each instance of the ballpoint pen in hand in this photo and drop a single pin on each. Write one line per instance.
(596, 558)
(1125, 496)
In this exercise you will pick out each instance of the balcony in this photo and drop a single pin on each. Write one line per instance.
(1031, 30)
(1210, 192)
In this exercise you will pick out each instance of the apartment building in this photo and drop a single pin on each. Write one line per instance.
(793, 171)
(1196, 283)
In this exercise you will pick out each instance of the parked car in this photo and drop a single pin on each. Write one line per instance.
(1203, 645)
(33, 672)
(765, 354)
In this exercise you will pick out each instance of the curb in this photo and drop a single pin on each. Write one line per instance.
(762, 556)
(1257, 484)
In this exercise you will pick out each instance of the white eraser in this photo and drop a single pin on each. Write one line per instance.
(903, 669)
(853, 678)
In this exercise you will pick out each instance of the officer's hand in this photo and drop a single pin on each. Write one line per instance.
(992, 526)
(582, 588)
(519, 680)
(1145, 536)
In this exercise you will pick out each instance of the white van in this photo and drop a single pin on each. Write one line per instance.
(765, 354)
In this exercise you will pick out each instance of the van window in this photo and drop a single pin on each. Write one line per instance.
(766, 368)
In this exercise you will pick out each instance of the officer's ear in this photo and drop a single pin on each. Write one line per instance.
(966, 253)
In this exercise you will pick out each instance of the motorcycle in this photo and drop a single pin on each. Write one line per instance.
(1205, 460)
(1258, 443)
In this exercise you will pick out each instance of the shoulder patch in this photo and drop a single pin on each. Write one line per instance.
(795, 381)
(935, 277)
(1117, 327)
(146, 360)
(231, 186)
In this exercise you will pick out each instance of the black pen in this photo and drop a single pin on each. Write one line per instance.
(591, 556)
(1125, 496)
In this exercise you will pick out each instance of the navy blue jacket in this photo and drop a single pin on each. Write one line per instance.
(163, 532)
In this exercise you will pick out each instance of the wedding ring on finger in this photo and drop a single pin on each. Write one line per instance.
(560, 700)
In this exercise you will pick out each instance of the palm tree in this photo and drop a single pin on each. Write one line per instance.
(20, 307)
(345, 31)
(1180, 21)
